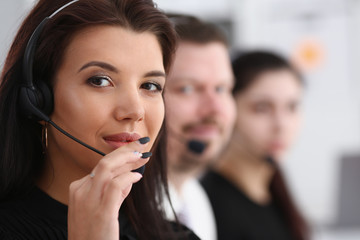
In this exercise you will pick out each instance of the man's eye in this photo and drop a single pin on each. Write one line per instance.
(187, 89)
(100, 81)
(261, 108)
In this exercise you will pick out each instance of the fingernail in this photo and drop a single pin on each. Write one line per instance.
(139, 154)
(140, 170)
(144, 140)
(146, 155)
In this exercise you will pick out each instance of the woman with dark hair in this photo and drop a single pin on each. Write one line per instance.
(93, 71)
(246, 187)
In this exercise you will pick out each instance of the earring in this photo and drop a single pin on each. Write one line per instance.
(44, 136)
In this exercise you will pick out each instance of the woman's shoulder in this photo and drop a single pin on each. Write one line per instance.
(5, 234)
(30, 218)
(9, 210)
(11, 221)
(18, 222)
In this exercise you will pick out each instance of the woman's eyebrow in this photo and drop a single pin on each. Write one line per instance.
(104, 65)
(155, 74)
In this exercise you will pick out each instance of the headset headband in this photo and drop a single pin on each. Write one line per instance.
(28, 59)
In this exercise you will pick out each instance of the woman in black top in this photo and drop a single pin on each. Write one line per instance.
(246, 188)
(95, 70)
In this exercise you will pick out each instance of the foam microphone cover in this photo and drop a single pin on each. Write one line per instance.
(196, 146)
(269, 159)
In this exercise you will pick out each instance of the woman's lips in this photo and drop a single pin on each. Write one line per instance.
(277, 146)
(121, 139)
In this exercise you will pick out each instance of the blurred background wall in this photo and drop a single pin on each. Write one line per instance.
(323, 38)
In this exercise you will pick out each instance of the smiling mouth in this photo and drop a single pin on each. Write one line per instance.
(119, 140)
(117, 144)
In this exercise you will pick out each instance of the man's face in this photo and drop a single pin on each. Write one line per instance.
(199, 104)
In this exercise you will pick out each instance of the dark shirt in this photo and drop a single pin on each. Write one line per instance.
(237, 217)
(38, 216)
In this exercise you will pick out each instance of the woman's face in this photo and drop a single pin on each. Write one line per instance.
(269, 114)
(107, 91)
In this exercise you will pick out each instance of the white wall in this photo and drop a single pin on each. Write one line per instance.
(213, 8)
(11, 14)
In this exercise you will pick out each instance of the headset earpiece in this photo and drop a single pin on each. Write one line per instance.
(36, 98)
(47, 104)
(36, 104)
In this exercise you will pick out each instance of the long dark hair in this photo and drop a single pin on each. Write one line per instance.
(247, 67)
(21, 150)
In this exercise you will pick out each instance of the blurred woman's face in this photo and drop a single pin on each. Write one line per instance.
(107, 92)
(269, 114)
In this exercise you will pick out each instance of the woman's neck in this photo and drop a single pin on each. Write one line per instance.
(49, 184)
(250, 174)
(56, 178)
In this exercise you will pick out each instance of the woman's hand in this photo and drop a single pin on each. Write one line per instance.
(95, 200)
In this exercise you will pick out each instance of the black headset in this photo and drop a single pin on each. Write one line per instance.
(36, 98)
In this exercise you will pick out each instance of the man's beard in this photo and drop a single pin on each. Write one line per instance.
(191, 163)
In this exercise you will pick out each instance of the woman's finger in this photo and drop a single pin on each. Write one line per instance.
(108, 170)
(118, 189)
(117, 158)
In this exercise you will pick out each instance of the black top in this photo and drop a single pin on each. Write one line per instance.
(38, 216)
(237, 217)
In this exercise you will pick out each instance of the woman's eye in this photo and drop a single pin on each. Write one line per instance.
(153, 87)
(100, 81)
(293, 107)
(220, 89)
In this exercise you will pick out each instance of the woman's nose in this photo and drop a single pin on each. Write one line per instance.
(130, 106)
(281, 121)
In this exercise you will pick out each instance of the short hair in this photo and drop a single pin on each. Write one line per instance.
(193, 29)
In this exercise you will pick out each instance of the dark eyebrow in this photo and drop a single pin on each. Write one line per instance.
(155, 74)
(100, 64)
